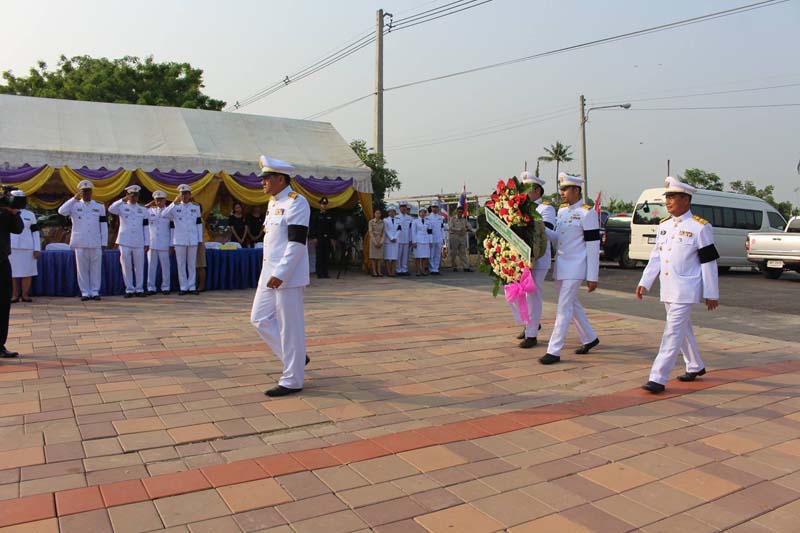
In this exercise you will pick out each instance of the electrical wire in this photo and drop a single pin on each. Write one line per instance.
(597, 42)
(759, 106)
(397, 26)
(714, 93)
(338, 107)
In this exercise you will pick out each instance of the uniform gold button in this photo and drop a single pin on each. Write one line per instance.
(666, 273)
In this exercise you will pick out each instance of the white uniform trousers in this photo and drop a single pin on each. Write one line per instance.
(678, 337)
(535, 304)
(132, 260)
(277, 315)
(89, 262)
(154, 258)
(569, 310)
(402, 257)
(186, 257)
(436, 256)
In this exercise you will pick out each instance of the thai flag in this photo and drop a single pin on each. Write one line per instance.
(462, 200)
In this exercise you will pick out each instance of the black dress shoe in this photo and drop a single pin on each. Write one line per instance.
(15, 300)
(280, 390)
(128, 295)
(196, 293)
(521, 335)
(181, 293)
(308, 360)
(8, 354)
(529, 342)
(586, 347)
(549, 359)
(467, 270)
(652, 386)
(140, 295)
(165, 293)
(691, 376)
(96, 297)
(85, 298)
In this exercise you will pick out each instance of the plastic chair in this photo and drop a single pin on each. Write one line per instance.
(213, 245)
(259, 245)
(231, 244)
(57, 246)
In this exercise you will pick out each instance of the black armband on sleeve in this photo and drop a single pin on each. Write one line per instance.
(103, 218)
(591, 235)
(171, 224)
(708, 253)
(199, 220)
(34, 227)
(549, 225)
(145, 222)
(298, 233)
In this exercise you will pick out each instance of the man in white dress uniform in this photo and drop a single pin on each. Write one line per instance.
(25, 250)
(535, 186)
(160, 228)
(577, 260)
(436, 221)
(133, 239)
(186, 217)
(277, 312)
(685, 260)
(404, 239)
(89, 237)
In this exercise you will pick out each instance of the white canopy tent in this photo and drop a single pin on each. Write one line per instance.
(39, 131)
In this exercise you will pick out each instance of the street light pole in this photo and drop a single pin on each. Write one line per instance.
(584, 120)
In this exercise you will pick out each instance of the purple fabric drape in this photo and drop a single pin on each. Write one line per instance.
(19, 174)
(98, 174)
(323, 186)
(174, 178)
(251, 181)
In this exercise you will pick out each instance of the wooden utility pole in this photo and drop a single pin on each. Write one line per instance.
(379, 82)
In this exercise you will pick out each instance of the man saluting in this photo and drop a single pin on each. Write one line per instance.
(686, 259)
(277, 312)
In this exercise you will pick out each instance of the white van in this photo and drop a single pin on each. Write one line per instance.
(733, 216)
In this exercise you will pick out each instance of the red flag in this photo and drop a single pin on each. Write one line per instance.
(597, 202)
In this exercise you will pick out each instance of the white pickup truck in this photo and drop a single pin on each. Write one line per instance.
(776, 252)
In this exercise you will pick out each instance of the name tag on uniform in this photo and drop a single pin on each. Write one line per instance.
(279, 211)
(95, 210)
(685, 233)
(663, 232)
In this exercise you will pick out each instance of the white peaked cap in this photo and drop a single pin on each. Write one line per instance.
(184, 188)
(676, 185)
(132, 189)
(392, 208)
(17, 192)
(566, 180)
(85, 184)
(403, 202)
(269, 165)
(434, 203)
(528, 178)
(159, 194)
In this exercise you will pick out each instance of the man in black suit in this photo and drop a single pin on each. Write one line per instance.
(322, 229)
(10, 222)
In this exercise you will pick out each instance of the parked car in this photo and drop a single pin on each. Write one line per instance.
(615, 241)
(776, 252)
(732, 215)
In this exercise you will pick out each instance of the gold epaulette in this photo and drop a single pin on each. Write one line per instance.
(545, 203)
(565, 204)
(665, 218)
(292, 195)
(700, 219)
(586, 206)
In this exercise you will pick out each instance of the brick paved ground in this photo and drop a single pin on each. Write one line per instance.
(149, 414)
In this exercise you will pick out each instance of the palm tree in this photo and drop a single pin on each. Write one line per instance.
(560, 153)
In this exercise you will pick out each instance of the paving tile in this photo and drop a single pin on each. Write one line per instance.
(310, 508)
(617, 477)
(27, 509)
(462, 518)
(253, 495)
(303, 485)
(702, 485)
(391, 511)
(512, 508)
(136, 425)
(95, 521)
(341, 522)
(195, 433)
(550, 524)
(356, 451)
(260, 519)
(340, 478)
(123, 492)
(384, 469)
(49, 525)
(135, 518)
(362, 496)
(176, 483)
(193, 507)
(432, 458)
(309, 459)
(682, 522)
(21, 457)
(215, 525)
(230, 473)
(591, 517)
(628, 510)
(663, 498)
(78, 500)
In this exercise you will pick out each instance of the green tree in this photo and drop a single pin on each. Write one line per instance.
(128, 80)
(749, 188)
(615, 205)
(702, 179)
(384, 179)
(560, 153)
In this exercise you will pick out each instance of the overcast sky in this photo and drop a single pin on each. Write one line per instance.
(244, 46)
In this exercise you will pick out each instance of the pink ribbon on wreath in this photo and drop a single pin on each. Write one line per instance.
(515, 292)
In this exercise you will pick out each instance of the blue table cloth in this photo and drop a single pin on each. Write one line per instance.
(227, 269)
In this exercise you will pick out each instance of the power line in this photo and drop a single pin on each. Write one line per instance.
(597, 42)
(712, 107)
(355, 46)
(713, 93)
(338, 107)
